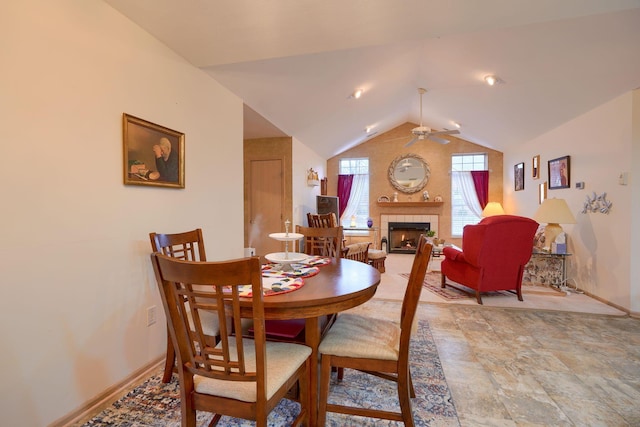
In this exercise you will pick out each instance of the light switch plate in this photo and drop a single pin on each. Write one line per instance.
(623, 179)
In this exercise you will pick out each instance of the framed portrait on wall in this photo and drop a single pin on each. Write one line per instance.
(559, 173)
(153, 154)
(518, 173)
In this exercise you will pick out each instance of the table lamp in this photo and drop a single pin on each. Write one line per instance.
(554, 212)
(492, 208)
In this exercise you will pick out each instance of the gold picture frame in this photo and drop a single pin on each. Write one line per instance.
(153, 154)
(535, 167)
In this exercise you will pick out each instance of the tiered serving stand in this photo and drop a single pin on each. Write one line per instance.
(286, 258)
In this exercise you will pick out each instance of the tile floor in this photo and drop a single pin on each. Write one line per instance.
(530, 366)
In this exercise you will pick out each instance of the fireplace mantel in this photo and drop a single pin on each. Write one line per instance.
(409, 204)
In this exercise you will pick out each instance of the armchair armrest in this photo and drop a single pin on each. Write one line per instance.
(452, 253)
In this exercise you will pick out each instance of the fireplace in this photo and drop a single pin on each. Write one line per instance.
(403, 236)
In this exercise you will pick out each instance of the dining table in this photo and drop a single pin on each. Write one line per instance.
(340, 285)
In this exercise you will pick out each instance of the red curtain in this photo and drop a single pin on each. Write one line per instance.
(344, 191)
(481, 182)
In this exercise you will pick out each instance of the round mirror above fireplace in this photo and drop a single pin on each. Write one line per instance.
(409, 173)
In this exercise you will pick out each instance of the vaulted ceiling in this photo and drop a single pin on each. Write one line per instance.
(295, 63)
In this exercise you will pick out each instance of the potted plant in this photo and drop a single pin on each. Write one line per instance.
(430, 234)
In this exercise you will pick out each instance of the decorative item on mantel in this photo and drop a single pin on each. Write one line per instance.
(438, 198)
(425, 196)
(395, 196)
(312, 178)
(597, 204)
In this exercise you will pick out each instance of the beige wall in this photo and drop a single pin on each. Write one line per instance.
(383, 149)
(602, 144)
(74, 241)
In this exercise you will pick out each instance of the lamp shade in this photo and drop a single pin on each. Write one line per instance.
(554, 211)
(492, 208)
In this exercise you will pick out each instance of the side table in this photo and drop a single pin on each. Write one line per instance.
(547, 268)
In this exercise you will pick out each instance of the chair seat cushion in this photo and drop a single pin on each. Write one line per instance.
(283, 359)
(364, 337)
(377, 254)
(356, 248)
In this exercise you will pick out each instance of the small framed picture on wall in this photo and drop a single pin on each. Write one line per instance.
(559, 173)
(535, 167)
(542, 192)
(518, 173)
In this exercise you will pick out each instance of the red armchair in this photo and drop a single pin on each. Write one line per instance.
(494, 253)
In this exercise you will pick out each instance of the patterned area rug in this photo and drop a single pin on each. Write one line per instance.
(433, 279)
(156, 404)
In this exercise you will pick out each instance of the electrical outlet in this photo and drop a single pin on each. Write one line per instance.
(151, 315)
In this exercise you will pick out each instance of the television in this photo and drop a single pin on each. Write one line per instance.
(328, 204)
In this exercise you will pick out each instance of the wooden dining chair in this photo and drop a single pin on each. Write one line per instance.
(238, 377)
(375, 346)
(327, 220)
(357, 252)
(188, 246)
(317, 241)
(325, 241)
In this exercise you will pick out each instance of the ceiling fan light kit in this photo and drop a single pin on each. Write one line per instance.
(423, 132)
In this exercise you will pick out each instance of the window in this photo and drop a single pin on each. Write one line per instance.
(461, 215)
(359, 198)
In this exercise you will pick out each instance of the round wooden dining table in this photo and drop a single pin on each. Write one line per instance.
(340, 285)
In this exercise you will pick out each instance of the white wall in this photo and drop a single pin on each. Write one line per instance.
(600, 145)
(634, 254)
(304, 197)
(74, 246)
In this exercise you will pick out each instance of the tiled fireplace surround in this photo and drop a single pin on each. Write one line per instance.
(386, 219)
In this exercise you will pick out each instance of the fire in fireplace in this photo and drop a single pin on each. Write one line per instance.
(403, 236)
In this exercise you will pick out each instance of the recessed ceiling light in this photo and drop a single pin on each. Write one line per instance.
(492, 80)
(368, 129)
(456, 124)
(357, 94)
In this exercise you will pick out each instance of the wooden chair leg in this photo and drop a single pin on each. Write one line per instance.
(325, 377)
(443, 281)
(478, 297)
(404, 395)
(412, 391)
(169, 361)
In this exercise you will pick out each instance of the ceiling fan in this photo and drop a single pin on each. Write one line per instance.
(423, 132)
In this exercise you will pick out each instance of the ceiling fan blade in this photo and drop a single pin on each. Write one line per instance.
(445, 132)
(438, 140)
(411, 142)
